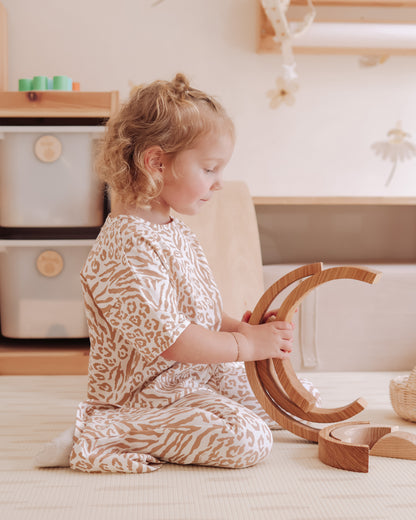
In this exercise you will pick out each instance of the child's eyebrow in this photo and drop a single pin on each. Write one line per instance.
(214, 158)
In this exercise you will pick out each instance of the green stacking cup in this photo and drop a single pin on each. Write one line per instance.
(25, 84)
(60, 83)
(40, 83)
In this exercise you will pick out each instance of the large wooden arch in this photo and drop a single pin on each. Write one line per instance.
(274, 381)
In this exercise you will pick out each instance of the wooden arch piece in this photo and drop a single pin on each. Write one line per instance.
(284, 367)
(274, 382)
(272, 386)
(397, 444)
(256, 377)
(278, 414)
(347, 446)
(263, 304)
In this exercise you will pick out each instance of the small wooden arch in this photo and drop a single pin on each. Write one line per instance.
(349, 445)
(349, 451)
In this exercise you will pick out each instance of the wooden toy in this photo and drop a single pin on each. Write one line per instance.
(274, 381)
(398, 444)
(349, 445)
(349, 449)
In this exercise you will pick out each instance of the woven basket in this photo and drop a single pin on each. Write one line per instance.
(403, 396)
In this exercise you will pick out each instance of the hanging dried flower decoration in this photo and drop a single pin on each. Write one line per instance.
(287, 83)
(395, 149)
(283, 93)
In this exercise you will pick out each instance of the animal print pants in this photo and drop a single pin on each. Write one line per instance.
(220, 424)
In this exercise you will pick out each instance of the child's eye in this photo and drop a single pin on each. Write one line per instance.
(209, 171)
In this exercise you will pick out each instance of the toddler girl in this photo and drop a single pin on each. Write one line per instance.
(166, 381)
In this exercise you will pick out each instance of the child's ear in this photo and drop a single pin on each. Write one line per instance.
(154, 159)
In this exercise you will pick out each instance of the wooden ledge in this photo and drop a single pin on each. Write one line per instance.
(36, 360)
(52, 103)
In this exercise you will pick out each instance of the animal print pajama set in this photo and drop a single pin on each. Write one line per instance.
(143, 285)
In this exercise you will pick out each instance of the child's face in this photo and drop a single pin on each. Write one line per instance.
(194, 174)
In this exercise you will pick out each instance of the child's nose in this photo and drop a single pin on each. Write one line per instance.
(218, 184)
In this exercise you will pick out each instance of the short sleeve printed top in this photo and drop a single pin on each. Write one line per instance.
(143, 284)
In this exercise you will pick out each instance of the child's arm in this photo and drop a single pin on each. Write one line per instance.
(237, 341)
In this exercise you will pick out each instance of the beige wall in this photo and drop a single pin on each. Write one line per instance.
(320, 146)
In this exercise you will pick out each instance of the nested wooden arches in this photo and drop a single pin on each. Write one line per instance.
(274, 381)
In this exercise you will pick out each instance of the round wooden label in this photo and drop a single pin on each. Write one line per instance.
(49, 263)
(48, 148)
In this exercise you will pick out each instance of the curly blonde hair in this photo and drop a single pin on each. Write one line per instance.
(168, 114)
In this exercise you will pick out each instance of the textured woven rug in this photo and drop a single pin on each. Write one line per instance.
(292, 484)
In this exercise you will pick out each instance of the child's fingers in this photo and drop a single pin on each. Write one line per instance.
(281, 325)
(271, 315)
(246, 317)
(286, 346)
(284, 355)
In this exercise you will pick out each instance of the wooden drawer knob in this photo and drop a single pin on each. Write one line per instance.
(49, 263)
(48, 148)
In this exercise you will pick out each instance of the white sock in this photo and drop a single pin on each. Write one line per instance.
(56, 452)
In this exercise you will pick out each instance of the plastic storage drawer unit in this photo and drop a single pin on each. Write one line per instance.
(47, 177)
(41, 294)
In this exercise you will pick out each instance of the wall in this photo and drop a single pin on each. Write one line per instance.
(320, 146)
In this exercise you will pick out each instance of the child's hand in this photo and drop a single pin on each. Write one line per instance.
(273, 339)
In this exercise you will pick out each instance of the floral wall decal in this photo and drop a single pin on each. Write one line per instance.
(372, 60)
(396, 148)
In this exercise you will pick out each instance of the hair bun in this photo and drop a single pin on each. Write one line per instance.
(181, 85)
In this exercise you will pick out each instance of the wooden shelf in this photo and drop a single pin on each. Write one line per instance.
(63, 358)
(58, 104)
(329, 201)
(345, 12)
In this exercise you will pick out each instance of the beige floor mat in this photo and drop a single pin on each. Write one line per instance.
(292, 484)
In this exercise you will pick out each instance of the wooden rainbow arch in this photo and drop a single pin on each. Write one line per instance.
(274, 381)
